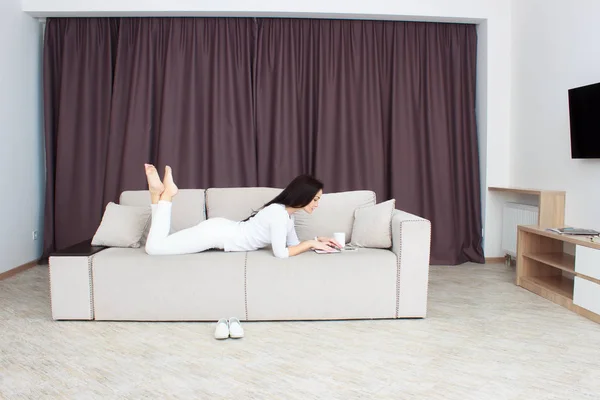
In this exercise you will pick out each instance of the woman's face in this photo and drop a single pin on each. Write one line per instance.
(310, 207)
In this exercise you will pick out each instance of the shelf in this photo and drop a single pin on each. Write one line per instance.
(535, 192)
(551, 203)
(546, 269)
(563, 261)
(555, 284)
(574, 239)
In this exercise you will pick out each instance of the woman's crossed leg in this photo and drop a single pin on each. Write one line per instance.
(206, 235)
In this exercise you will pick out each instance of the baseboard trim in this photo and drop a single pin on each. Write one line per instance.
(495, 260)
(20, 268)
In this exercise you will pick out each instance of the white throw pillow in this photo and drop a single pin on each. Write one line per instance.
(373, 225)
(122, 226)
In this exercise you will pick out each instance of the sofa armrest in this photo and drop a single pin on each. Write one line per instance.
(411, 242)
(70, 273)
(83, 248)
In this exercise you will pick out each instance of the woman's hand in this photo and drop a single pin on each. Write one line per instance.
(308, 245)
(316, 244)
(330, 242)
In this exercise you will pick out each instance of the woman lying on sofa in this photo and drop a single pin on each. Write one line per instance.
(272, 225)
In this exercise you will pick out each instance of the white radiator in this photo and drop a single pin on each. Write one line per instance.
(514, 214)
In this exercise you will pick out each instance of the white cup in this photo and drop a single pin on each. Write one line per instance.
(340, 237)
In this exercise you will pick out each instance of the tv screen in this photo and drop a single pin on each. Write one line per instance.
(584, 120)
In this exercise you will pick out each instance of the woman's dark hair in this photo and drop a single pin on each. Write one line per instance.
(298, 193)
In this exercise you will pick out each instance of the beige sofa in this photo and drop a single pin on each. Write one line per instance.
(97, 283)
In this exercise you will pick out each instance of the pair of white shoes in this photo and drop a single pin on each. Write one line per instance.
(229, 328)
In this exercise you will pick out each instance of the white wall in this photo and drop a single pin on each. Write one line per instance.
(493, 88)
(21, 157)
(438, 9)
(555, 48)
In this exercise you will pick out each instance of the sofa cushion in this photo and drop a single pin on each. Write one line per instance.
(188, 206)
(373, 225)
(131, 285)
(122, 226)
(334, 214)
(237, 204)
(347, 285)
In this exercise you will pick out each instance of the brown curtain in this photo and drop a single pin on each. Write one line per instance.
(386, 106)
(122, 92)
(182, 97)
(78, 63)
(380, 105)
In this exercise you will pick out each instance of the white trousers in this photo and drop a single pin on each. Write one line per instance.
(209, 234)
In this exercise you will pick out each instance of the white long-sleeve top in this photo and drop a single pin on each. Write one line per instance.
(272, 225)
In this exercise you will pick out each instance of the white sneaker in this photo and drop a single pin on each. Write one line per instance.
(235, 328)
(222, 329)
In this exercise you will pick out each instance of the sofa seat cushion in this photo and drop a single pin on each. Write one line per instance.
(129, 284)
(310, 286)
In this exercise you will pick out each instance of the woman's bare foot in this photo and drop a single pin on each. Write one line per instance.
(155, 186)
(170, 186)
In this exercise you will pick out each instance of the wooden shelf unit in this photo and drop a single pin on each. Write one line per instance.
(544, 268)
(563, 261)
(551, 286)
(551, 204)
(551, 211)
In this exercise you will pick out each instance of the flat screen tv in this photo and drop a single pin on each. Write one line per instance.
(584, 120)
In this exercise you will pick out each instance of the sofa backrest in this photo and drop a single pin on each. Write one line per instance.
(334, 214)
(188, 206)
(237, 203)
